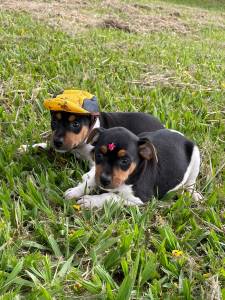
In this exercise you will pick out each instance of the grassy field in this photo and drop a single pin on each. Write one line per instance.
(172, 67)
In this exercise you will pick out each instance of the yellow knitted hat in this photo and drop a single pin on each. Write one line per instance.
(76, 101)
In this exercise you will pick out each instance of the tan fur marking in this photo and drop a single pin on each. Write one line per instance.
(103, 149)
(71, 118)
(121, 153)
(120, 176)
(98, 171)
(148, 151)
(72, 139)
(58, 116)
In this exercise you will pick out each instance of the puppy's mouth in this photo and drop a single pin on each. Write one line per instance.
(109, 188)
(63, 148)
(60, 150)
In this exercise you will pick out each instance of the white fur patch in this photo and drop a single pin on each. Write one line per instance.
(172, 130)
(190, 175)
(125, 194)
(83, 152)
(90, 201)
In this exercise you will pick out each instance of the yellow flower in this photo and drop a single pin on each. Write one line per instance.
(76, 207)
(177, 253)
(77, 286)
(72, 232)
(223, 85)
(206, 275)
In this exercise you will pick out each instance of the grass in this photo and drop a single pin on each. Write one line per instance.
(50, 250)
(206, 4)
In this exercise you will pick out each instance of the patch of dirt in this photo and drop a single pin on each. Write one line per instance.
(74, 16)
(116, 25)
(71, 16)
(169, 78)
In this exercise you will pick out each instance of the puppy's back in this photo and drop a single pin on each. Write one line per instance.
(174, 152)
(134, 121)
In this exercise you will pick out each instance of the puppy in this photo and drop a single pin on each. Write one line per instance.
(74, 113)
(137, 168)
(70, 130)
(75, 139)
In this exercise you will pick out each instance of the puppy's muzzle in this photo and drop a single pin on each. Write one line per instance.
(105, 179)
(58, 142)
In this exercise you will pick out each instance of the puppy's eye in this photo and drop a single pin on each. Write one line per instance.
(54, 124)
(75, 125)
(124, 163)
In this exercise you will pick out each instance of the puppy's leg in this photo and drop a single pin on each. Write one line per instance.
(85, 187)
(194, 167)
(90, 201)
(24, 148)
(125, 195)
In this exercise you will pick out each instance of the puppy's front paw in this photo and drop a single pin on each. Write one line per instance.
(197, 196)
(22, 149)
(90, 201)
(72, 193)
(39, 146)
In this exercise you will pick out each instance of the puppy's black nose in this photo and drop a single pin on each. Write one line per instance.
(58, 142)
(105, 179)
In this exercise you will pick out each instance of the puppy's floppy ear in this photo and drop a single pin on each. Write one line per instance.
(147, 150)
(94, 136)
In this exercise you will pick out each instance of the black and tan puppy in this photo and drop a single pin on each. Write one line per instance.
(74, 113)
(138, 168)
(70, 130)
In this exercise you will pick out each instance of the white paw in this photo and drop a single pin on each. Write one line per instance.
(40, 146)
(90, 201)
(25, 148)
(22, 149)
(72, 193)
(197, 196)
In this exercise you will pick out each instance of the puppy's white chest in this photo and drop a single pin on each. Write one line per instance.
(83, 152)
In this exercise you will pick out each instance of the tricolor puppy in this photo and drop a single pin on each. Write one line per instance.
(71, 130)
(74, 113)
(139, 167)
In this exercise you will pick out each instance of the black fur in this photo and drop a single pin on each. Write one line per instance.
(135, 122)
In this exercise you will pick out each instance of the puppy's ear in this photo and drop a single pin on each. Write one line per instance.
(94, 136)
(147, 150)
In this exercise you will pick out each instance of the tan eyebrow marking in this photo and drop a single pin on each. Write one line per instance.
(58, 116)
(71, 118)
(103, 149)
(121, 153)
